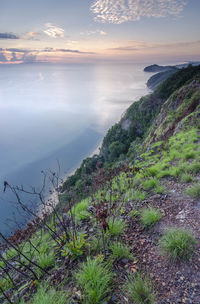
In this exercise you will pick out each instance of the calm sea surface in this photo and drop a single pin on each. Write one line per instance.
(57, 112)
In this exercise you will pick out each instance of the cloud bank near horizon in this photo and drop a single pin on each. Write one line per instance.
(119, 11)
(17, 55)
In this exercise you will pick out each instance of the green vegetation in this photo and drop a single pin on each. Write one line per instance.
(177, 243)
(120, 251)
(140, 290)
(80, 210)
(116, 227)
(150, 216)
(138, 161)
(49, 296)
(194, 191)
(95, 280)
(75, 247)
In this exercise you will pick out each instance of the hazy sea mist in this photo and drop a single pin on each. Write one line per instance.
(51, 112)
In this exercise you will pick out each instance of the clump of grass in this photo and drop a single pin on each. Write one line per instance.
(139, 195)
(80, 210)
(186, 178)
(49, 296)
(194, 167)
(120, 251)
(149, 184)
(194, 191)
(95, 281)
(159, 189)
(163, 173)
(46, 260)
(149, 216)
(140, 290)
(177, 243)
(189, 155)
(117, 227)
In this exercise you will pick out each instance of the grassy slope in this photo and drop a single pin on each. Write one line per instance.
(170, 156)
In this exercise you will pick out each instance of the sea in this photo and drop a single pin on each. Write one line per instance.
(52, 116)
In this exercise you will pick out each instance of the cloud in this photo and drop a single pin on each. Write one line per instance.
(18, 55)
(53, 31)
(142, 45)
(119, 11)
(30, 36)
(8, 36)
(96, 32)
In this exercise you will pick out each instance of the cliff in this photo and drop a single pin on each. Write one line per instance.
(126, 229)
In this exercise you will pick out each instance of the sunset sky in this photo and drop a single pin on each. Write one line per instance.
(98, 31)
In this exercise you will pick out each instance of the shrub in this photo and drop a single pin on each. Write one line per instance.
(95, 281)
(194, 191)
(75, 248)
(140, 290)
(177, 243)
(150, 216)
(120, 251)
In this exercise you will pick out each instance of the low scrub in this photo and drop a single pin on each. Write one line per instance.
(177, 243)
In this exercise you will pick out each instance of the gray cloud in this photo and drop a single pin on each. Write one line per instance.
(119, 11)
(8, 36)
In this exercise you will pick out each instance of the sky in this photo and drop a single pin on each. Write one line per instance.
(86, 31)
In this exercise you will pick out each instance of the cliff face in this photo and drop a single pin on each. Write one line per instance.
(155, 116)
(171, 107)
(180, 110)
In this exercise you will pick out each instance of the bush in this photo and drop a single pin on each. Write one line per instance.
(140, 290)
(150, 216)
(95, 281)
(177, 243)
(120, 251)
(194, 191)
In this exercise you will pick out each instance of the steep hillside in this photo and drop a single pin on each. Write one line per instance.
(134, 238)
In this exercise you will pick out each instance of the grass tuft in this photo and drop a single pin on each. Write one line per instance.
(95, 281)
(177, 243)
(194, 191)
(150, 216)
(49, 296)
(117, 227)
(120, 251)
(140, 290)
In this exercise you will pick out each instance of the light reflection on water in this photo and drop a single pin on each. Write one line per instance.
(50, 112)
